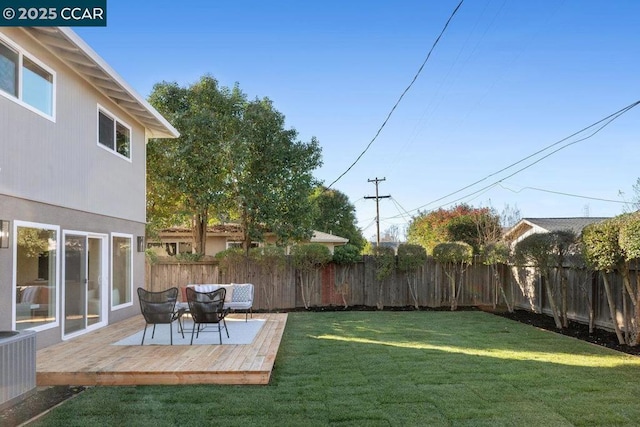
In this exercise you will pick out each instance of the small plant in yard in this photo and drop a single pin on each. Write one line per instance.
(411, 259)
(602, 251)
(494, 254)
(385, 265)
(233, 263)
(189, 257)
(308, 259)
(271, 261)
(548, 252)
(151, 256)
(629, 241)
(455, 257)
(345, 257)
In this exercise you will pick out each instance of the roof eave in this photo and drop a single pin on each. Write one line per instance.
(78, 55)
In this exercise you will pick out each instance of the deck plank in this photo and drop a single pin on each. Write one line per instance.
(90, 359)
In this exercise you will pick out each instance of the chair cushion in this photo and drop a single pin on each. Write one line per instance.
(229, 294)
(205, 288)
(210, 288)
(241, 292)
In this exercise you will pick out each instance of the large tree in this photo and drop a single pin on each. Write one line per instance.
(189, 172)
(335, 214)
(235, 159)
(462, 223)
(271, 176)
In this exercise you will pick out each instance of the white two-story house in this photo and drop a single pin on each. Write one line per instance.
(72, 185)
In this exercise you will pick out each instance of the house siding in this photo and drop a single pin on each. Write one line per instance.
(67, 219)
(43, 159)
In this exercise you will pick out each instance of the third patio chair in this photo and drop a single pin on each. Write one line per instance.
(207, 308)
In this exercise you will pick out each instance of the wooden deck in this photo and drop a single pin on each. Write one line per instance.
(91, 359)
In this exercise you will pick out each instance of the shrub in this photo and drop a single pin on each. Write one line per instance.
(347, 254)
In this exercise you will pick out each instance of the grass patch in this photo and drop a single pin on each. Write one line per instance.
(395, 368)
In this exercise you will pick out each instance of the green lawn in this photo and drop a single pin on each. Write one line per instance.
(395, 368)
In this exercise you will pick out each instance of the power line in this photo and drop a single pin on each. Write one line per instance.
(563, 194)
(607, 120)
(384, 123)
(400, 209)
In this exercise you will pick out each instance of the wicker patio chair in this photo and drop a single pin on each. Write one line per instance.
(159, 308)
(207, 308)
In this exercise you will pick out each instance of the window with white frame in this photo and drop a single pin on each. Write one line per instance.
(113, 134)
(122, 272)
(26, 80)
(36, 275)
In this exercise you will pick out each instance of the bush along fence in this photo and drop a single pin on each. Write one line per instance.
(284, 283)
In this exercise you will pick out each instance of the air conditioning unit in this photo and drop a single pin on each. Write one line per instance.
(17, 366)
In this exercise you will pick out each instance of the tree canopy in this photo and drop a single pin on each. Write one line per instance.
(335, 214)
(462, 223)
(271, 178)
(234, 160)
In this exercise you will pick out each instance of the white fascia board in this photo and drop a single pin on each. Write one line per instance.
(171, 132)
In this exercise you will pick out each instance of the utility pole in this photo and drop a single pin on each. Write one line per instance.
(377, 197)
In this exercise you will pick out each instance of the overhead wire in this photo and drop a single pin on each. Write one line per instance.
(602, 122)
(400, 208)
(622, 202)
(607, 120)
(448, 80)
(415, 77)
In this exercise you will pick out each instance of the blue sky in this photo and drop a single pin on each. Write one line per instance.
(507, 79)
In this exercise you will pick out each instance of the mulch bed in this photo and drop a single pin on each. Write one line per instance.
(576, 330)
(43, 399)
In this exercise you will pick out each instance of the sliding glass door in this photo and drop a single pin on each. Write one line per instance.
(85, 282)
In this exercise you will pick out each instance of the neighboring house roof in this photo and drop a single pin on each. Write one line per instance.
(218, 229)
(320, 237)
(77, 54)
(547, 225)
(235, 229)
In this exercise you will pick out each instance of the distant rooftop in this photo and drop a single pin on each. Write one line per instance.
(574, 224)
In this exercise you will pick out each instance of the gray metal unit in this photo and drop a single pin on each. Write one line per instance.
(17, 367)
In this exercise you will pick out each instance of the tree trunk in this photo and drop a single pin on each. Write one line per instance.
(631, 321)
(412, 282)
(451, 275)
(380, 303)
(612, 308)
(500, 286)
(200, 221)
(637, 312)
(626, 279)
(246, 238)
(563, 293)
(552, 301)
(461, 269)
(343, 286)
(625, 316)
(301, 276)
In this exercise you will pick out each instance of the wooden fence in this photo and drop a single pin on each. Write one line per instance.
(336, 285)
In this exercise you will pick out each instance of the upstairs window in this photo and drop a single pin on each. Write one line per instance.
(113, 134)
(26, 80)
(9, 70)
(37, 86)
